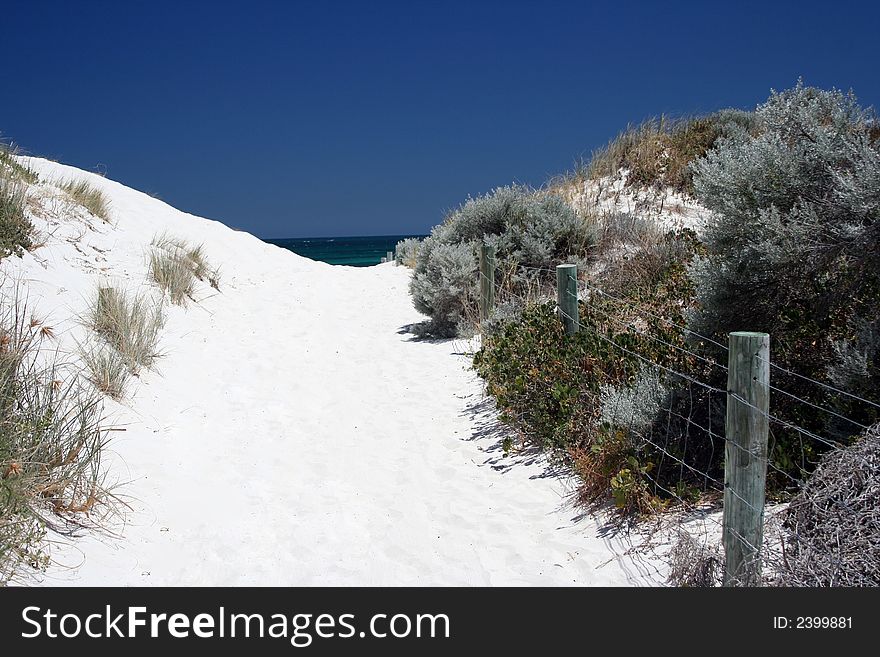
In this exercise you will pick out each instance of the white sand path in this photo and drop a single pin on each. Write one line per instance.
(295, 434)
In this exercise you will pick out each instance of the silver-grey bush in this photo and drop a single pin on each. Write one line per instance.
(528, 228)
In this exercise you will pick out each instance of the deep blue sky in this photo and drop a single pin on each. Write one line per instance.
(295, 119)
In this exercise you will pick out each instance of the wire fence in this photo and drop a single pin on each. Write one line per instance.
(687, 406)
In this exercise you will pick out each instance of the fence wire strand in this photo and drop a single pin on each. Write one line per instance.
(688, 437)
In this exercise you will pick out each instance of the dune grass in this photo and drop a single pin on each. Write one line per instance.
(176, 265)
(16, 231)
(128, 323)
(89, 197)
(13, 167)
(107, 369)
(51, 440)
(128, 326)
(659, 152)
(173, 275)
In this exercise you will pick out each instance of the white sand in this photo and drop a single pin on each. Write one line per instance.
(292, 433)
(667, 209)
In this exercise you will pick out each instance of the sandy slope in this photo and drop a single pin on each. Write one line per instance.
(294, 433)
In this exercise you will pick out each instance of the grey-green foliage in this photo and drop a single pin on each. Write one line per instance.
(795, 198)
(406, 251)
(527, 228)
(15, 228)
(502, 314)
(89, 197)
(12, 168)
(16, 231)
(51, 439)
(793, 248)
(734, 124)
(855, 361)
(443, 286)
(544, 230)
(175, 265)
(635, 405)
(129, 323)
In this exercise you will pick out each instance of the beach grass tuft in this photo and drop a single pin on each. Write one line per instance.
(176, 265)
(51, 441)
(13, 168)
(107, 368)
(173, 275)
(89, 197)
(128, 323)
(15, 228)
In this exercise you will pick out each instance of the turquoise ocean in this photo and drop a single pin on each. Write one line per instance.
(353, 251)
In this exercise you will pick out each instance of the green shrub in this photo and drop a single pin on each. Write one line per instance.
(528, 230)
(15, 228)
(406, 251)
(792, 251)
(51, 440)
(590, 396)
(10, 167)
(89, 197)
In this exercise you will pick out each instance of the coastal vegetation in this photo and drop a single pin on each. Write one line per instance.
(16, 231)
(13, 168)
(127, 327)
(130, 324)
(106, 368)
(406, 251)
(53, 429)
(529, 232)
(176, 265)
(787, 245)
(88, 196)
(52, 433)
(634, 402)
(659, 152)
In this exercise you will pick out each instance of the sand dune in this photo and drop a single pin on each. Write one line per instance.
(294, 433)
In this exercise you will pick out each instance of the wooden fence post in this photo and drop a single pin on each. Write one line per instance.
(487, 281)
(566, 297)
(745, 456)
(389, 256)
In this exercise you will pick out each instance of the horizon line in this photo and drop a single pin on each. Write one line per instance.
(342, 237)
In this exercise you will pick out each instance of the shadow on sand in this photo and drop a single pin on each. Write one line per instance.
(419, 333)
(487, 428)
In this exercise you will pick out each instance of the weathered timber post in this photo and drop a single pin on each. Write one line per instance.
(566, 297)
(745, 456)
(389, 256)
(487, 281)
